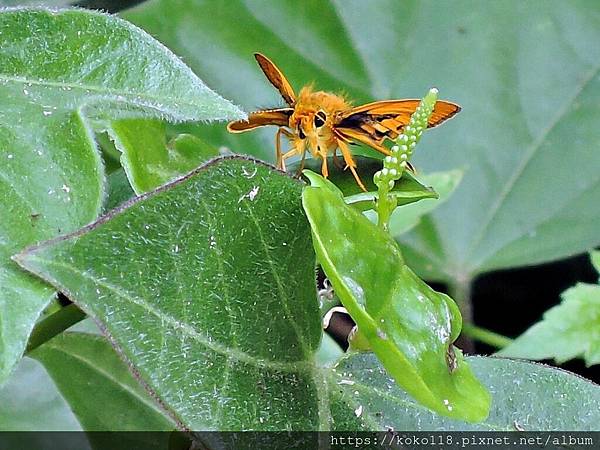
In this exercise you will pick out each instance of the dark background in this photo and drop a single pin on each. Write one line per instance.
(510, 301)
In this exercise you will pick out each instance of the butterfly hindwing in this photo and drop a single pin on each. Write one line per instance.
(374, 122)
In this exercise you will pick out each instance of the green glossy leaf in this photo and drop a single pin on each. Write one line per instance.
(525, 395)
(147, 157)
(77, 361)
(525, 73)
(31, 402)
(407, 190)
(59, 73)
(409, 326)
(207, 287)
(567, 331)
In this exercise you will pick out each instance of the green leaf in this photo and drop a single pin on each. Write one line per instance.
(409, 326)
(31, 402)
(54, 3)
(595, 257)
(407, 190)
(119, 189)
(567, 331)
(147, 157)
(444, 183)
(59, 72)
(525, 73)
(520, 393)
(76, 361)
(207, 287)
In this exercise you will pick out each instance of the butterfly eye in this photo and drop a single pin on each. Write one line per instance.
(320, 118)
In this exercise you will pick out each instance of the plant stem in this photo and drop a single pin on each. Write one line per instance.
(386, 205)
(460, 291)
(486, 336)
(54, 324)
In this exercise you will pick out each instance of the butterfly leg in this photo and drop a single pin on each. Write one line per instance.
(278, 148)
(336, 160)
(279, 155)
(350, 163)
(297, 150)
(324, 168)
(301, 167)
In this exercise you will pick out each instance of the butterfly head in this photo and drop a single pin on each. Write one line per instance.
(315, 116)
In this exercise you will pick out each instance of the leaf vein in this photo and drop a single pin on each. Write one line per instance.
(294, 366)
(529, 154)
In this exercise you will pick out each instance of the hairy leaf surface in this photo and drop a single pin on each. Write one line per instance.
(61, 71)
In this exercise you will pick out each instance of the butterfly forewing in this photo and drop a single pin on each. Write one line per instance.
(279, 117)
(276, 78)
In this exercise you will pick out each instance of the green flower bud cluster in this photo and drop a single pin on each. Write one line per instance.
(395, 164)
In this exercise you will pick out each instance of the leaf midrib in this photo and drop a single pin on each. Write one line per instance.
(531, 151)
(105, 91)
(298, 366)
(283, 294)
(108, 376)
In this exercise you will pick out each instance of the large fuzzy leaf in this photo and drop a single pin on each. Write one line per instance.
(77, 361)
(208, 289)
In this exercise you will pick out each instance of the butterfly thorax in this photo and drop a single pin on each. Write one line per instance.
(314, 117)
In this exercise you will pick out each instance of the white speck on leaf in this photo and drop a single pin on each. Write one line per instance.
(250, 195)
(248, 174)
(381, 334)
(358, 411)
